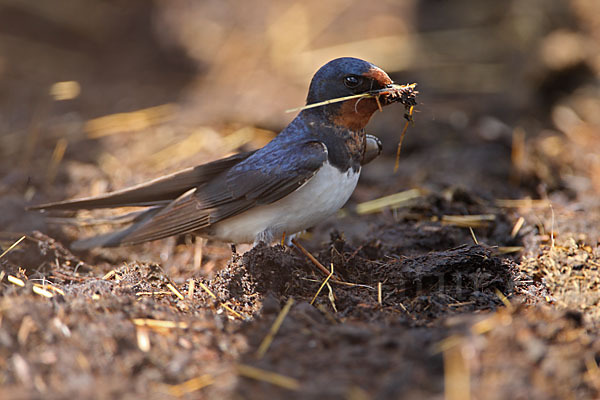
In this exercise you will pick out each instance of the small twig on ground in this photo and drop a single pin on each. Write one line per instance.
(266, 343)
(316, 262)
(268, 376)
(177, 293)
(225, 306)
(191, 287)
(191, 385)
(322, 286)
(12, 246)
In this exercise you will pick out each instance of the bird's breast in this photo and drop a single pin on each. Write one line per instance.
(320, 197)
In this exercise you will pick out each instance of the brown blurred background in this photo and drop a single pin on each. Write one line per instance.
(96, 95)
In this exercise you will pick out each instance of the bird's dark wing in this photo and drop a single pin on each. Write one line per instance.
(160, 191)
(262, 178)
(268, 179)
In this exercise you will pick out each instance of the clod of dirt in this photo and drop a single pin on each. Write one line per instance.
(41, 254)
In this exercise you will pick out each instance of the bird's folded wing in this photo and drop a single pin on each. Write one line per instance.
(159, 191)
(262, 178)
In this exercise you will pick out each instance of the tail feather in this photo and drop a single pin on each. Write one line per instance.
(119, 237)
(160, 191)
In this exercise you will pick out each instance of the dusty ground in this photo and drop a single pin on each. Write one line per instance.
(427, 303)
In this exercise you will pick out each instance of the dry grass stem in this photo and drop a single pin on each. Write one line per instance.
(378, 104)
(461, 304)
(175, 291)
(159, 324)
(509, 249)
(485, 325)
(225, 306)
(312, 258)
(129, 121)
(190, 386)
(12, 246)
(191, 287)
(456, 374)
(324, 270)
(42, 292)
(322, 286)
(393, 201)
(157, 293)
(266, 342)
(50, 287)
(267, 376)
(522, 203)
(331, 296)
(447, 343)
(468, 221)
(331, 101)
(504, 299)
(399, 148)
(473, 236)
(400, 90)
(15, 281)
(57, 156)
(517, 227)
(207, 290)
(110, 274)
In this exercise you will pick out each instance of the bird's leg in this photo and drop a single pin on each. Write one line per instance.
(287, 240)
(265, 236)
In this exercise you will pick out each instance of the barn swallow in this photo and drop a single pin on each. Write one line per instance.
(305, 174)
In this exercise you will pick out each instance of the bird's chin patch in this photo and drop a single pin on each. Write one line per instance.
(355, 114)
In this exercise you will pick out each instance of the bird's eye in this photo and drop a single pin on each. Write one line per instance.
(352, 81)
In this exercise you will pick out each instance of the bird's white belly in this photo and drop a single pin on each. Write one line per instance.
(319, 198)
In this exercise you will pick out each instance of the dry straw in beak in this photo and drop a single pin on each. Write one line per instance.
(405, 94)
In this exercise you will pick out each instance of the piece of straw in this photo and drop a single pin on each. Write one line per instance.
(266, 343)
(42, 292)
(267, 376)
(12, 246)
(375, 93)
(392, 200)
(57, 156)
(225, 306)
(473, 236)
(322, 286)
(175, 291)
(466, 221)
(331, 101)
(15, 281)
(158, 323)
(517, 227)
(109, 275)
(191, 286)
(191, 385)
(399, 148)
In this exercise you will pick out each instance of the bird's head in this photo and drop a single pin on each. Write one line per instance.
(346, 77)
